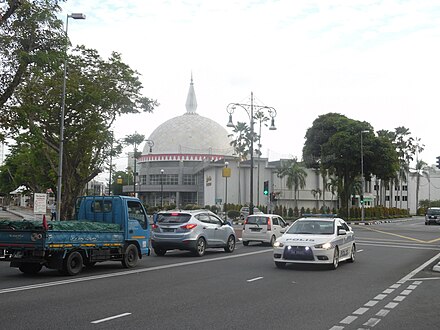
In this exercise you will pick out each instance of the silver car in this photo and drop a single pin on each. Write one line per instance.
(193, 230)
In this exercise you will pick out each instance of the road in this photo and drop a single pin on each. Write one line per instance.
(390, 286)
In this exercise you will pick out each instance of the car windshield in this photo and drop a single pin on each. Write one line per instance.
(314, 227)
(173, 217)
(433, 211)
(257, 220)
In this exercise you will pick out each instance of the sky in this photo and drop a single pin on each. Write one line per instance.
(370, 60)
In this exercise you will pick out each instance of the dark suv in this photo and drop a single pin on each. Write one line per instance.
(432, 215)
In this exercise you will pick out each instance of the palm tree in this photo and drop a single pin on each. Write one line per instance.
(420, 166)
(332, 186)
(296, 176)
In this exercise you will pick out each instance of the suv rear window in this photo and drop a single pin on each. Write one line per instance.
(173, 217)
(257, 220)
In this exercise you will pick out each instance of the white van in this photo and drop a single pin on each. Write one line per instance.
(263, 228)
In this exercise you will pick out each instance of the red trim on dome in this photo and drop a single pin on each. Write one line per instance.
(174, 157)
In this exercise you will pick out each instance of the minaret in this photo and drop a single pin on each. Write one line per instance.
(191, 101)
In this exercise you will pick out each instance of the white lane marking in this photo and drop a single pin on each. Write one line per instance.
(128, 272)
(399, 298)
(372, 322)
(371, 303)
(387, 291)
(255, 279)
(406, 292)
(336, 327)
(418, 269)
(417, 282)
(360, 311)
(411, 287)
(380, 296)
(348, 319)
(402, 246)
(391, 305)
(395, 286)
(110, 318)
(426, 278)
(361, 250)
(383, 312)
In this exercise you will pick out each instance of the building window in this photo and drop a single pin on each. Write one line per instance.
(376, 187)
(405, 188)
(387, 198)
(189, 179)
(405, 198)
(397, 198)
(387, 187)
(188, 198)
(168, 179)
(396, 188)
(143, 179)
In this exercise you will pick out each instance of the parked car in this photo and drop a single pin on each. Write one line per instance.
(432, 215)
(264, 228)
(244, 212)
(316, 240)
(193, 230)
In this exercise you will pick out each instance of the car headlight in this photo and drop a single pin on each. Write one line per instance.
(324, 246)
(278, 244)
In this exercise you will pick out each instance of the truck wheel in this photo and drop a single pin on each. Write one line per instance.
(30, 268)
(131, 256)
(73, 264)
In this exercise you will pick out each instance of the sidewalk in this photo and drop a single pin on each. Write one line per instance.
(26, 213)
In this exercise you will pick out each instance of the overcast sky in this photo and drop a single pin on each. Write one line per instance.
(370, 60)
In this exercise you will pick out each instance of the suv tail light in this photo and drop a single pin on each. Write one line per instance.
(154, 226)
(188, 226)
(269, 225)
(245, 222)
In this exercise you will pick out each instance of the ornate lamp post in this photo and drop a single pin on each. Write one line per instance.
(226, 173)
(63, 105)
(249, 108)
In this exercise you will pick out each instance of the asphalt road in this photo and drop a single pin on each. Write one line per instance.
(390, 286)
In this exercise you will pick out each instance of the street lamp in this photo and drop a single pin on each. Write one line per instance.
(362, 178)
(249, 108)
(161, 188)
(63, 105)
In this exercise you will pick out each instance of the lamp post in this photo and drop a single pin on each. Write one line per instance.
(249, 108)
(161, 188)
(362, 177)
(63, 105)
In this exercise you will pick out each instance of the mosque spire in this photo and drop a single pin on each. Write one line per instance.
(191, 101)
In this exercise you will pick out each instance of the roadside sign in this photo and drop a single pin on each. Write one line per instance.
(40, 203)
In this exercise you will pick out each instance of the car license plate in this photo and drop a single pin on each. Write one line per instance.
(255, 229)
(168, 230)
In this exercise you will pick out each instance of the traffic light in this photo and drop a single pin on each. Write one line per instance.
(438, 161)
(362, 199)
(266, 188)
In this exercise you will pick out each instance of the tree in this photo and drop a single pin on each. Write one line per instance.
(98, 91)
(31, 37)
(135, 140)
(333, 142)
(296, 176)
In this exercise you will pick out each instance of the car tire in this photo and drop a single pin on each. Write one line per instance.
(199, 251)
(245, 243)
(160, 252)
(73, 263)
(335, 262)
(352, 253)
(230, 245)
(131, 256)
(280, 265)
(272, 240)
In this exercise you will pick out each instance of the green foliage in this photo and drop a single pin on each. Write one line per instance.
(233, 214)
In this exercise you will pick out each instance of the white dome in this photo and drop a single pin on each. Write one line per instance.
(190, 134)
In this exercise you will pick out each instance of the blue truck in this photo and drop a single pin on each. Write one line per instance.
(105, 228)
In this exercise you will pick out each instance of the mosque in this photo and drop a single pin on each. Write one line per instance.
(186, 166)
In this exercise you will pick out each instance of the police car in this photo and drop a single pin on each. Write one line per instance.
(316, 239)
